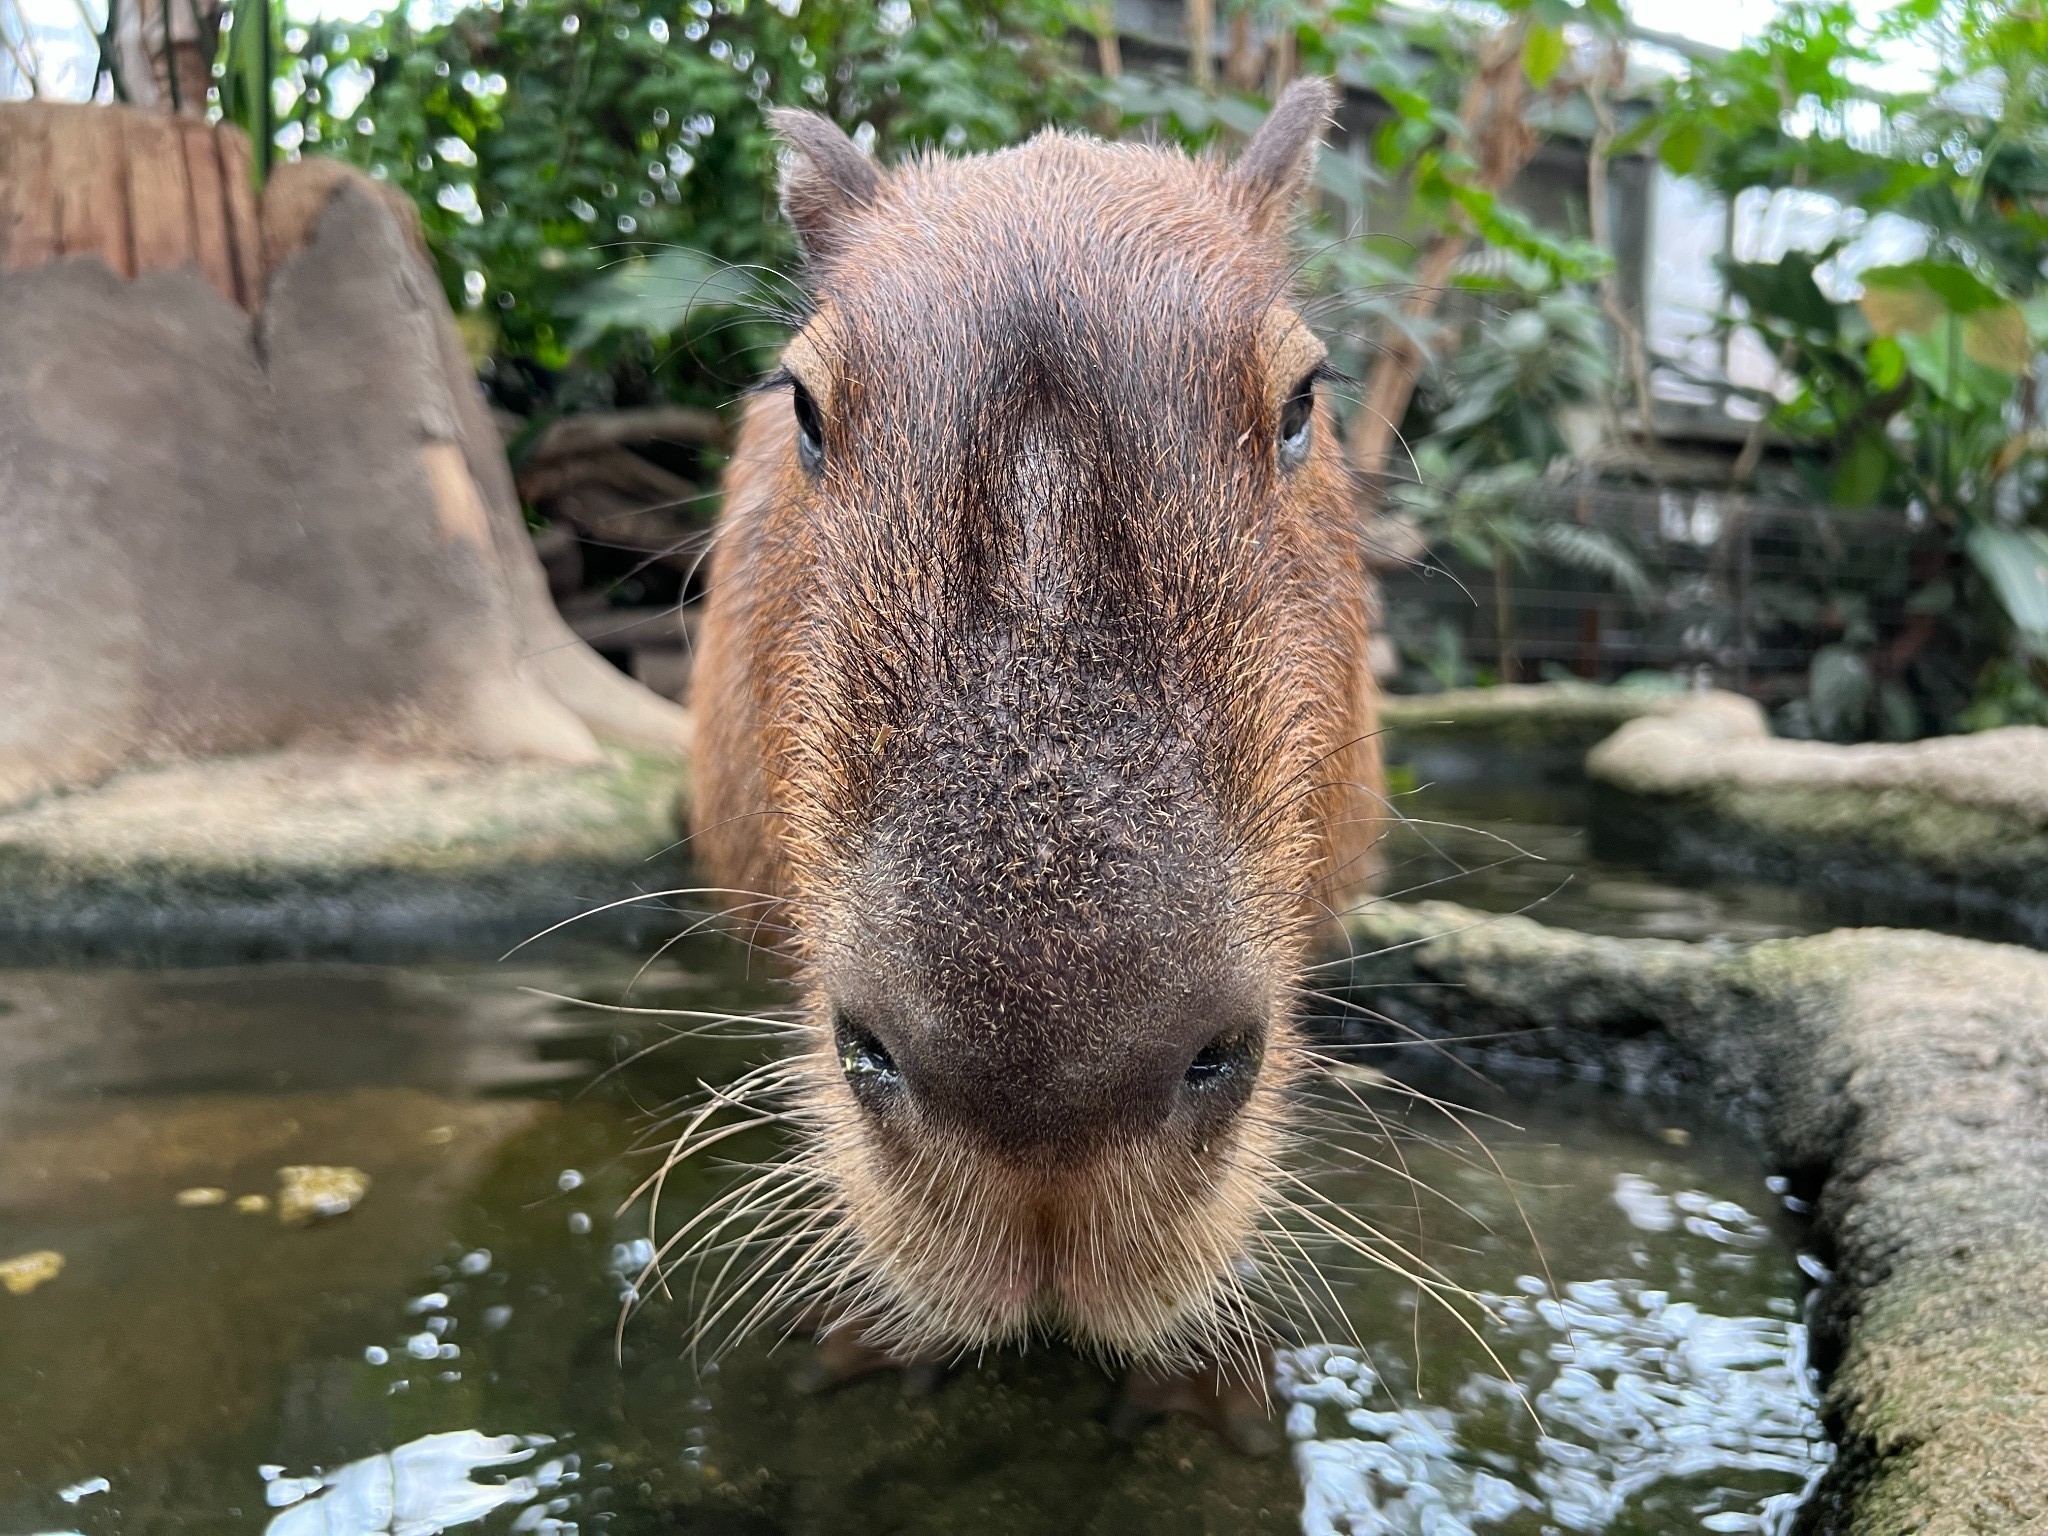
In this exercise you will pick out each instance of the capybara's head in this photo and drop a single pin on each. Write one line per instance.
(1032, 693)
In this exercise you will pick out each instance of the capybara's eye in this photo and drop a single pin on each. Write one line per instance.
(862, 1057)
(1232, 1054)
(1297, 423)
(810, 431)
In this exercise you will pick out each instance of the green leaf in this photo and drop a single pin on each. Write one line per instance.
(1916, 296)
(1543, 54)
(1861, 472)
(2015, 562)
(1345, 178)
(1680, 150)
(1594, 550)
(657, 295)
(1785, 290)
(1998, 339)
(1885, 362)
(1236, 113)
(1901, 311)
(1946, 368)
(1839, 687)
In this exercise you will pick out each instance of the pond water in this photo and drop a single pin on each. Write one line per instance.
(1505, 831)
(175, 1358)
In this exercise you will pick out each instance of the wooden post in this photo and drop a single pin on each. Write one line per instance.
(139, 190)
(1202, 43)
(1109, 55)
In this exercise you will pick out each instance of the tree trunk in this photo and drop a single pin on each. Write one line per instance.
(166, 50)
(250, 496)
(1500, 142)
(137, 190)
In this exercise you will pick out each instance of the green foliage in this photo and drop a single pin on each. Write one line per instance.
(1479, 489)
(596, 181)
(2011, 690)
(2015, 562)
(1503, 392)
(1497, 517)
(658, 296)
(1922, 390)
(1419, 64)
(248, 58)
(554, 143)
(1526, 344)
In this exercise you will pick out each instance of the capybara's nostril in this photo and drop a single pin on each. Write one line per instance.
(1228, 1062)
(870, 1069)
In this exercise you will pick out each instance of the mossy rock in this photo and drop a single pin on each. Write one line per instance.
(1900, 1077)
(296, 852)
(1949, 830)
(1562, 714)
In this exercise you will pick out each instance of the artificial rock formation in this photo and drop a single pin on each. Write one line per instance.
(1953, 829)
(1901, 1078)
(250, 496)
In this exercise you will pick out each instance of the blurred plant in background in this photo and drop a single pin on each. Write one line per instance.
(1499, 404)
(596, 183)
(1914, 383)
(553, 146)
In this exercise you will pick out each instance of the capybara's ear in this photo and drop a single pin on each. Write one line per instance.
(1272, 173)
(825, 178)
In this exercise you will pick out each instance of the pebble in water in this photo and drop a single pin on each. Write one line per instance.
(310, 1192)
(25, 1272)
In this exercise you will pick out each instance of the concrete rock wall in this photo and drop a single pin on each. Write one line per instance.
(221, 533)
(1904, 1077)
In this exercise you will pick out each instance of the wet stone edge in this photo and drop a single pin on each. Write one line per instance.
(1898, 1078)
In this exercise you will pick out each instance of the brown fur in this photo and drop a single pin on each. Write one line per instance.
(1042, 716)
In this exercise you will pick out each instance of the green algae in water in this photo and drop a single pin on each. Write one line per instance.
(444, 1356)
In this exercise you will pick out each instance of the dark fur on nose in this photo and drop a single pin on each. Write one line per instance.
(1046, 956)
(1101, 1046)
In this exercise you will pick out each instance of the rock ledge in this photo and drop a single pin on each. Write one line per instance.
(1903, 1079)
(1950, 829)
(300, 850)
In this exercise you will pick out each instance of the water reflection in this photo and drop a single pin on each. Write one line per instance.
(373, 1365)
(1629, 1409)
(1480, 834)
(420, 1489)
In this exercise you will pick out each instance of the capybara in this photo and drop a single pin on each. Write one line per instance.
(1033, 708)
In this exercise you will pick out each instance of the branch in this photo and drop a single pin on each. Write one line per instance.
(571, 436)
(1202, 43)
(1109, 55)
(1607, 77)
(1502, 143)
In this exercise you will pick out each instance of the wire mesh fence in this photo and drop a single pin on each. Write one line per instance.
(1744, 590)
